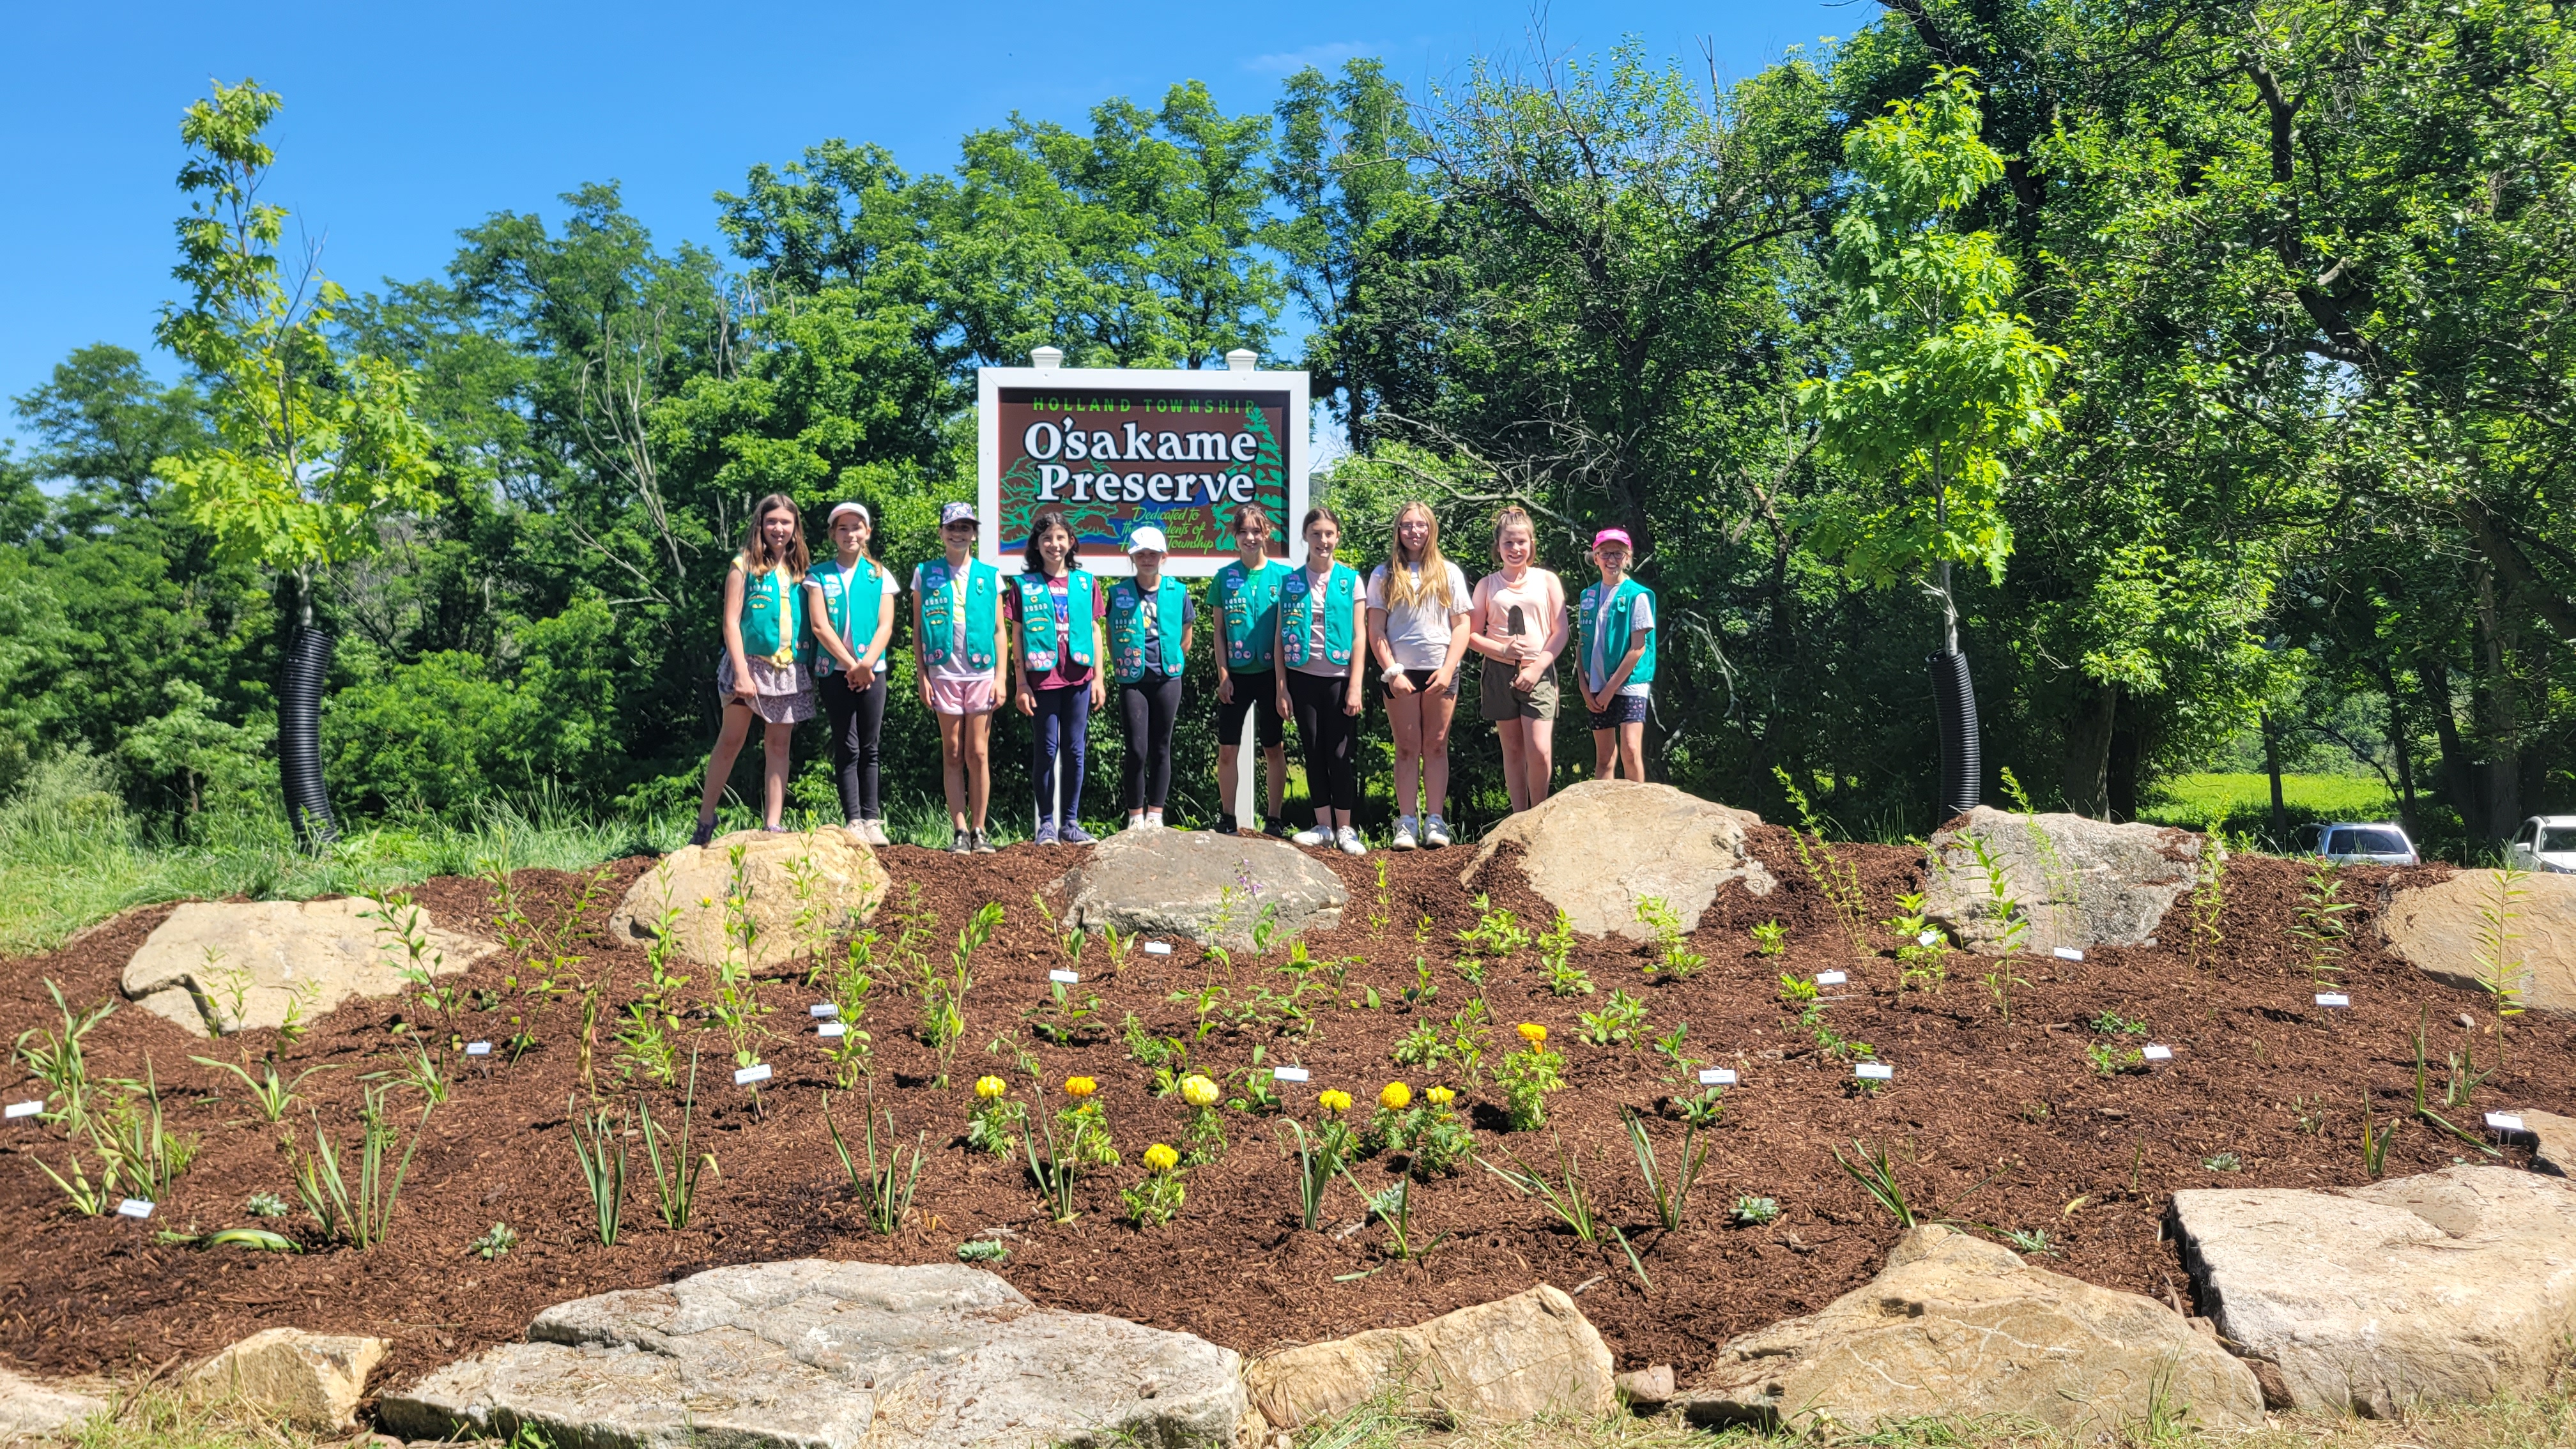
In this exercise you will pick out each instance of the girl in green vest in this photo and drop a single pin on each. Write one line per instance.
(849, 605)
(1321, 625)
(957, 636)
(1615, 630)
(1244, 597)
(1055, 607)
(760, 672)
(1149, 641)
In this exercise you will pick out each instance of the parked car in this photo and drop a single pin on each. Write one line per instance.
(2545, 842)
(2369, 842)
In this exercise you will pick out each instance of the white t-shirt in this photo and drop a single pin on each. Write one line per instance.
(1641, 615)
(1418, 634)
(954, 668)
(891, 590)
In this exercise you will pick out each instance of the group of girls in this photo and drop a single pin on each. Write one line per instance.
(1290, 643)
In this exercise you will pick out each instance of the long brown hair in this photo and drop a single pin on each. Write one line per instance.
(1406, 588)
(1038, 526)
(755, 558)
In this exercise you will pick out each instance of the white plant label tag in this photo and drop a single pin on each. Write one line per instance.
(1830, 978)
(134, 1207)
(1288, 1074)
(2504, 1122)
(2155, 1053)
(2333, 998)
(822, 1008)
(1158, 948)
(1874, 1071)
(1928, 938)
(831, 1028)
(1066, 977)
(2069, 953)
(749, 1075)
(24, 1109)
(478, 1049)
(1717, 1076)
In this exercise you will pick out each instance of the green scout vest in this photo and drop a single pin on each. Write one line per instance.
(851, 602)
(773, 616)
(1296, 608)
(983, 595)
(1247, 603)
(1611, 618)
(1037, 620)
(1127, 627)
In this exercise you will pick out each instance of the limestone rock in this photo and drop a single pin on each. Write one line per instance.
(2080, 883)
(1515, 1358)
(2436, 927)
(34, 1409)
(818, 1355)
(2458, 1284)
(228, 965)
(1954, 1325)
(1647, 1389)
(2555, 1138)
(311, 1380)
(1199, 884)
(1597, 848)
(824, 872)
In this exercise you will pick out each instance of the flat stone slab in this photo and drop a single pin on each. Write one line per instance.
(217, 967)
(1596, 849)
(1960, 1327)
(798, 888)
(1196, 883)
(34, 1409)
(2435, 928)
(819, 1355)
(2458, 1284)
(1512, 1359)
(2076, 882)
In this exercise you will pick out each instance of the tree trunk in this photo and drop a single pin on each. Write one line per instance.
(2500, 720)
(2272, 767)
(2397, 747)
(2459, 776)
(2086, 781)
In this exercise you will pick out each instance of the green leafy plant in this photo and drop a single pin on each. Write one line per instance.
(1616, 1023)
(86, 1200)
(675, 1182)
(885, 1189)
(1527, 1076)
(495, 1243)
(1157, 1196)
(402, 936)
(1393, 1207)
(1770, 938)
(2033, 1243)
(1497, 933)
(601, 1151)
(1877, 1177)
(983, 1250)
(1556, 957)
(421, 1073)
(270, 1095)
(1668, 1188)
(1565, 1196)
(264, 1205)
(1752, 1212)
(57, 1060)
(2208, 896)
(2110, 1061)
(1059, 1017)
(1318, 1156)
(2111, 1023)
(993, 1123)
(1837, 877)
(2499, 965)
(1922, 950)
(2318, 920)
(2013, 922)
(2374, 1145)
(133, 1136)
(359, 1213)
(2222, 1162)
(1674, 961)
(2000, 983)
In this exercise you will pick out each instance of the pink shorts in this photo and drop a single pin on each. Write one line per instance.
(961, 696)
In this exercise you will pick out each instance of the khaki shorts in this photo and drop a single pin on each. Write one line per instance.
(1497, 699)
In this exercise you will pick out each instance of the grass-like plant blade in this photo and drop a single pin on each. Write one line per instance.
(603, 1168)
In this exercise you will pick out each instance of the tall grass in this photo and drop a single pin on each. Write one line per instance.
(2243, 802)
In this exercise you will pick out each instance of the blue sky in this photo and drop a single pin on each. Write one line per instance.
(403, 124)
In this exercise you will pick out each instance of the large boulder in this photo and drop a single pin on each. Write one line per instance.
(1211, 888)
(2437, 929)
(2458, 1284)
(797, 889)
(817, 1355)
(1515, 1358)
(310, 1380)
(1960, 1327)
(2076, 882)
(224, 966)
(1596, 849)
(34, 1409)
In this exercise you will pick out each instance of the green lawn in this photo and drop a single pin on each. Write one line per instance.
(2244, 802)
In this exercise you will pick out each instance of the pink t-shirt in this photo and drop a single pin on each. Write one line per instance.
(1539, 595)
(1066, 673)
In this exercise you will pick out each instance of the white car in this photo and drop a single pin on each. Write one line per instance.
(2545, 842)
(2357, 842)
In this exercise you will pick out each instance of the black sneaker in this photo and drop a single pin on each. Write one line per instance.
(962, 843)
(1278, 829)
(984, 846)
(1225, 825)
(705, 832)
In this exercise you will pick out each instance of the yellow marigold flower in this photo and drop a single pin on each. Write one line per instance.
(1198, 1091)
(1159, 1158)
(990, 1088)
(706, 900)
(1441, 1096)
(1333, 1100)
(1080, 1086)
(1533, 1033)
(1396, 1097)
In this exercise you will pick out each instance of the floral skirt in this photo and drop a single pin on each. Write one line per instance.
(784, 695)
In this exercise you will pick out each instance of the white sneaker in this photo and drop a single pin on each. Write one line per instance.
(1403, 833)
(1349, 840)
(876, 833)
(1312, 836)
(1153, 819)
(1435, 832)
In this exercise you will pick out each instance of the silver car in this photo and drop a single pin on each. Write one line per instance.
(2357, 842)
(2545, 842)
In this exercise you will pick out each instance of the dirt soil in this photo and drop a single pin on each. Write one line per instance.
(1994, 1121)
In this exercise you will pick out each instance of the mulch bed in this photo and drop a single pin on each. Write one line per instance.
(1990, 1121)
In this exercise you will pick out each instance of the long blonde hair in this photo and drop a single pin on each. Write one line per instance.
(1404, 587)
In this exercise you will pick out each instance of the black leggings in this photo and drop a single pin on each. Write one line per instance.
(856, 715)
(1330, 738)
(1149, 706)
(1061, 730)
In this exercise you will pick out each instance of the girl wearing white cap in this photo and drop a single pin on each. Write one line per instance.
(1150, 617)
(847, 604)
(762, 671)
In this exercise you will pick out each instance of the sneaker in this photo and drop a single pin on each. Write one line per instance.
(1403, 833)
(1349, 840)
(1225, 825)
(962, 843)
(1074, 834)
(876, 833)
(705, 832)
(1277, 830)
(1154, 820)
(776, 830)
(1312, 836)
(982, 845)
(1435, 833)
(1046, 833)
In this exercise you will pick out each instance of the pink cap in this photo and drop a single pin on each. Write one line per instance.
(1614, 535)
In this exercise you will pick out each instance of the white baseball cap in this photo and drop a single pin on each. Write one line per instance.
(1148, 539)
(838, 509)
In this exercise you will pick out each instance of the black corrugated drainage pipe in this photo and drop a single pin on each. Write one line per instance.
(1962, 767)
(299, 737)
